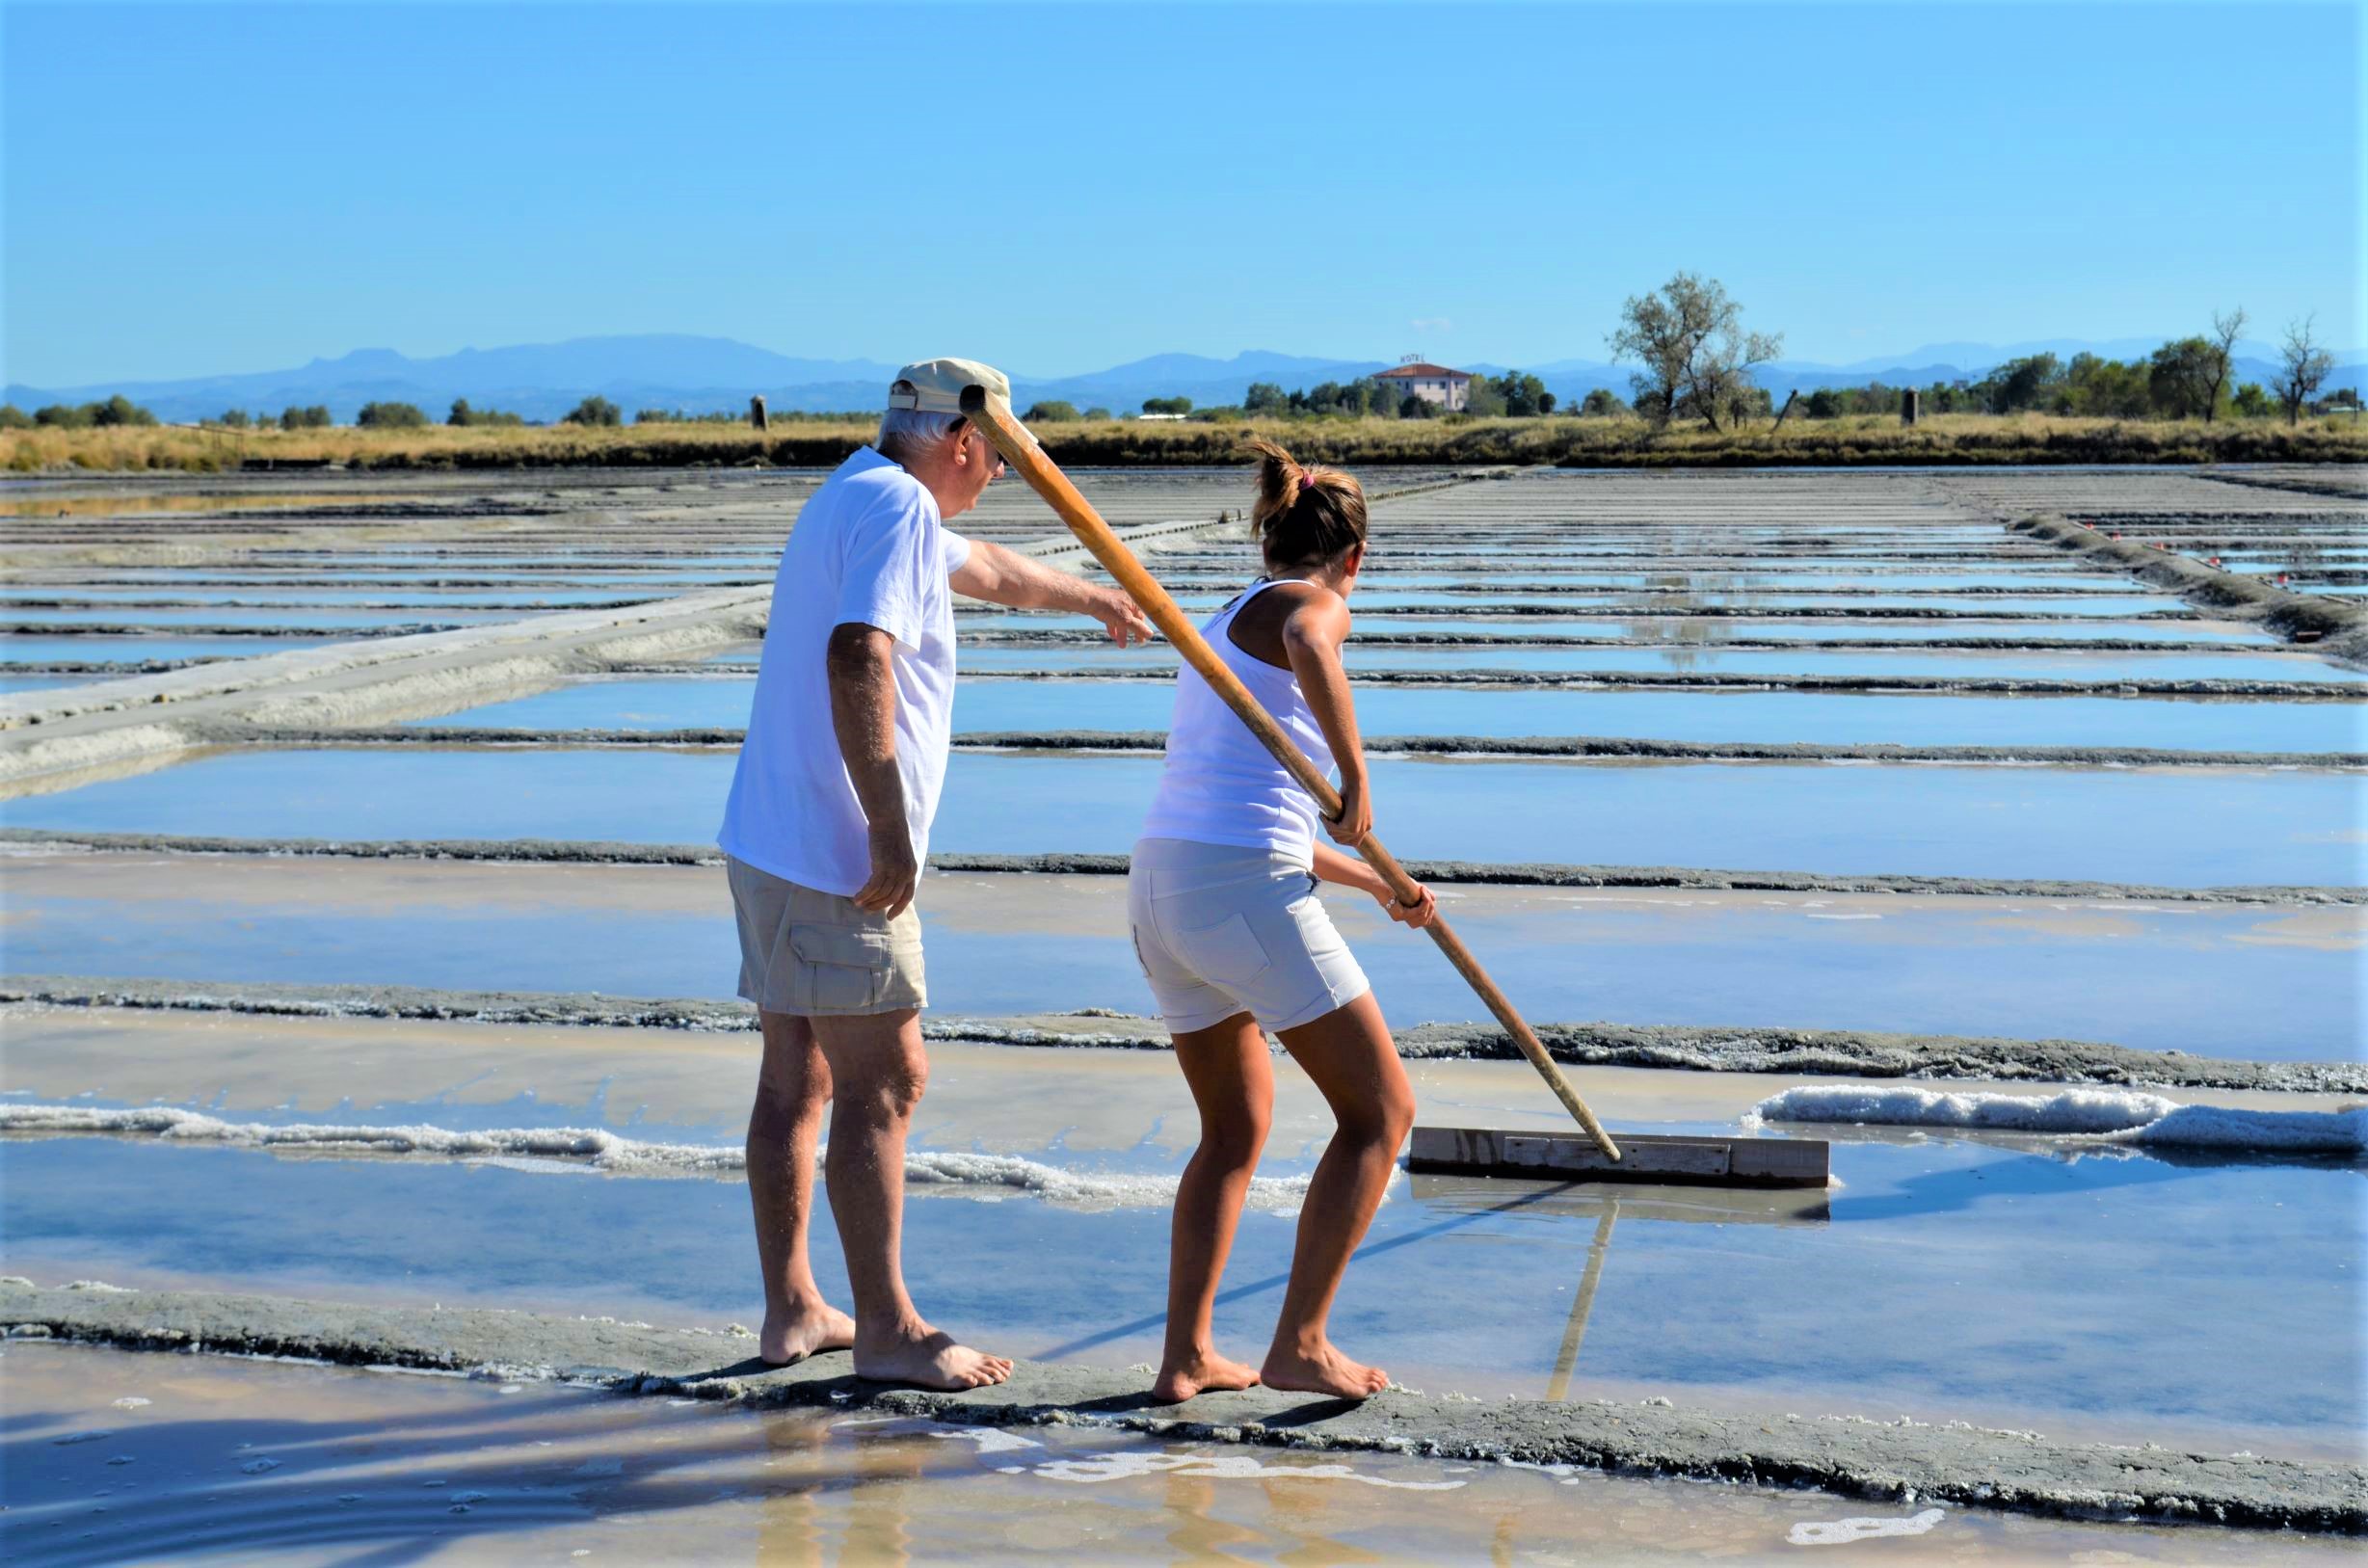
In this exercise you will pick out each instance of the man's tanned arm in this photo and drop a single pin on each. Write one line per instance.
(864, 718)
(1005, 576)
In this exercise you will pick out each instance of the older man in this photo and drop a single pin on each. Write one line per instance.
(826, 830)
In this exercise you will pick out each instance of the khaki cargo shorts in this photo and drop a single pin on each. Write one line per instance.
(813, 954)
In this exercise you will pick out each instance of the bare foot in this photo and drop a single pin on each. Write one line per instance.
(1323, 1370)
(926, 1358)
(1200, 1372)
(789, 1339)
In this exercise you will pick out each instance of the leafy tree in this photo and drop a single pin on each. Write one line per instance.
(12, 417)
(2019, 384)
(1823, 404)
(312, 417)
(1053, 412)
(594, 410)
(1167, 404)
(1264, 397)
(2183, 376)
(1418, 408)
(1688, 337)
(2250, 401)
(2303, 367)
(1484, 398)
(1097, 412)
(1600, 402)
(118, 409)
(233, 419)
(390, 417)
(2105, 388)
(462, 414)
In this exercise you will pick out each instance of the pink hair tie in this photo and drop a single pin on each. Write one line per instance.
(1307, 482)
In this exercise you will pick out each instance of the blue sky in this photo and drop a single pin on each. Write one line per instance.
(203, 188)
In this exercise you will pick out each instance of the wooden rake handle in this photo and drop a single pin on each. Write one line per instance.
(1044, 475)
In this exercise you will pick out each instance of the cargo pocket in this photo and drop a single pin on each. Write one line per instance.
(839, 968)
(1228, 952)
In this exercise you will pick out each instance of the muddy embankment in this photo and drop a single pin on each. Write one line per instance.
(2327, 624)
(1567, 748)
(1515, 873)
(1690, 1048)
(1891, 1461)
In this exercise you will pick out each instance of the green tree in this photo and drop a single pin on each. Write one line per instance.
(594, 410)
(1167, 404)
(118, 409)
(233, 419)
(2182, 376)
(63, 416)
(1484, 398)
(462, 414)
(1050, 411)
(312, 417)
(390, 417)
(1264, 397)
(2250, 401)
(1823, 404)
(1097, 412)
(12, 417)
(2020, 384)
(1418, 408)
(1688, 336)
(1600, 402)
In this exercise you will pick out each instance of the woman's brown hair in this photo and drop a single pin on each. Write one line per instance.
(1304, 514)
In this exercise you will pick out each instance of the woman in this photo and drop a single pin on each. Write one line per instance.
(1233, 941)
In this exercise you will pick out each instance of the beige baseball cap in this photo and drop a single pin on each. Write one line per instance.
(934, 386)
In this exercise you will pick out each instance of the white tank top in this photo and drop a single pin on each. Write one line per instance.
(1220, 786)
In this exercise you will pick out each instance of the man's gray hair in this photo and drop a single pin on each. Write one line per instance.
(912, 433)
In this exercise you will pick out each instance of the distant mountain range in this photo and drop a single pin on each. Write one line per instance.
(708, 374)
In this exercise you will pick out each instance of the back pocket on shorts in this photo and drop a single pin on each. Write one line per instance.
(840, 966)
(1228, 952)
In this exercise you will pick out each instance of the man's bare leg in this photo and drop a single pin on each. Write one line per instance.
(1232, 1078)
(1348, 1055)
(793, 1086)
(878, 1070)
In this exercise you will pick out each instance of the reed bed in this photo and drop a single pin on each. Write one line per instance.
(1946, 439)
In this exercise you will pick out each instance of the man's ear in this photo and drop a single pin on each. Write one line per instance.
(958, 437)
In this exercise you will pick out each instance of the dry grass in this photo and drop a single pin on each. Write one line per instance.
(1946, 439)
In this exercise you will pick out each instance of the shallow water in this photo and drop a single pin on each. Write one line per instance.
(691, 703)
(1950, 664)
(358, 1458)
(1699, 632)
(2174, 827)
(140, 649)
(262, 619)
(1993, 1284)
(322, 598)
(2157, 977)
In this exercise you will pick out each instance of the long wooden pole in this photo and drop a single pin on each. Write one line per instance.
(1044, 475)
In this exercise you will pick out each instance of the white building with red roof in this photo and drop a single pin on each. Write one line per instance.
(1417, 376)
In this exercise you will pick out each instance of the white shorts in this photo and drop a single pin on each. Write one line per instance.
(1221, 931)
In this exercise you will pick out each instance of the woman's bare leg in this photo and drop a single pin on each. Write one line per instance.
(1349, 1055)
(1232, 1078)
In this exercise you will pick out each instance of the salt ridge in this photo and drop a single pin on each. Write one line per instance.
(2113, 1115)
(950, 1171)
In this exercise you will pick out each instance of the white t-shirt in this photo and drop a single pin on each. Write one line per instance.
(867, 549)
